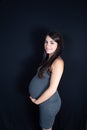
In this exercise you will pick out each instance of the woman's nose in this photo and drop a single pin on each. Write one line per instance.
(48, 45)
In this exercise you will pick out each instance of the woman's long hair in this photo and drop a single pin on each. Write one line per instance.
(46, 61)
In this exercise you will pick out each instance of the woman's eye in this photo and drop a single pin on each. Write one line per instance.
(52, 43)
(46, 42)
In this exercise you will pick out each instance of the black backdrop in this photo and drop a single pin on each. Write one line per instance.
(23, 26)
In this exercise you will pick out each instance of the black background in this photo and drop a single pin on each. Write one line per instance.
(23, 26)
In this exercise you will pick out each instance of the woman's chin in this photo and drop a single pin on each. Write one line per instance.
(48, 52)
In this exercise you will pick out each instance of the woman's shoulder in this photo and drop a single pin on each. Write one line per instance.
(57, 62)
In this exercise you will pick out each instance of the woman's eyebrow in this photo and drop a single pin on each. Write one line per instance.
(51, 41)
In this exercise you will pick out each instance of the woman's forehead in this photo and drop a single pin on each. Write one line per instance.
(48, 38)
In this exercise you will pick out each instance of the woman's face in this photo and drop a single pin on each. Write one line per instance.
(50, 46)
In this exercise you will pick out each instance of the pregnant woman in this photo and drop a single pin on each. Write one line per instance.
(43, 87)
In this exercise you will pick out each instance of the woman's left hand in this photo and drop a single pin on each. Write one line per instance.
(33, 100)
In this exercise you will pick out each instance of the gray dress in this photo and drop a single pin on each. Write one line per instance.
(49, 108)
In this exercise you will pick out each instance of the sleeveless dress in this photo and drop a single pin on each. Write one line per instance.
(49, 108)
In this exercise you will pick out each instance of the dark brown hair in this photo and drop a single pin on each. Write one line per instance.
(46, 61)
